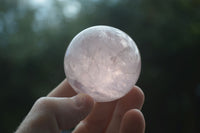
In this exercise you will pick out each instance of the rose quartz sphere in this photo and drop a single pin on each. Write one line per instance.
(103, 62)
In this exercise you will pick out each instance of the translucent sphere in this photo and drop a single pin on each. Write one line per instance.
(103, 62)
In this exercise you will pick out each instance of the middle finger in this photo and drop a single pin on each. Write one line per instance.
(133, 100)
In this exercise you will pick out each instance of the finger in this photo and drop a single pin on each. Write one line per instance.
(98, 119)
(66, 112)
(133, 100)
(62, 90)
(133, 122)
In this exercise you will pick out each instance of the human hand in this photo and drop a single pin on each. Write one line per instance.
(58, 112)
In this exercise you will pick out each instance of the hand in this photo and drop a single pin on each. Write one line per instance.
(58, 112)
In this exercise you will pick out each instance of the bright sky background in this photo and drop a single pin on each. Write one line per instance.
(46, 13)
(71, 8)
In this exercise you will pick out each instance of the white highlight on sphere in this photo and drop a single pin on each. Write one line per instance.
(103, 62)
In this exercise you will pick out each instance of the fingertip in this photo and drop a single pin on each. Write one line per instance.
(84, 101)
(133, 121)
(133, 100)
(134, 114)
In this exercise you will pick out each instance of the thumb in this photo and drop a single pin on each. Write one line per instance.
(51, 114)
(69, 112)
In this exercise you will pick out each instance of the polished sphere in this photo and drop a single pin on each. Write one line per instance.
(103, 62)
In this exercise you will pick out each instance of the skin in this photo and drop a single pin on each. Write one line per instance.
(63, 109)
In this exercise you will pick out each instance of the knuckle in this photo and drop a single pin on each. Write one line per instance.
(43, 102)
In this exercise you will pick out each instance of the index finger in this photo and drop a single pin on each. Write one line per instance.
(62, 90)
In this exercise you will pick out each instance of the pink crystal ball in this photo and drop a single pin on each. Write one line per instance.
(103, 62)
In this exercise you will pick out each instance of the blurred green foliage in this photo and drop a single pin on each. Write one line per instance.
(32, 47)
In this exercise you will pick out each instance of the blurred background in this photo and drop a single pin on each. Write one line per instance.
(34, 35)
